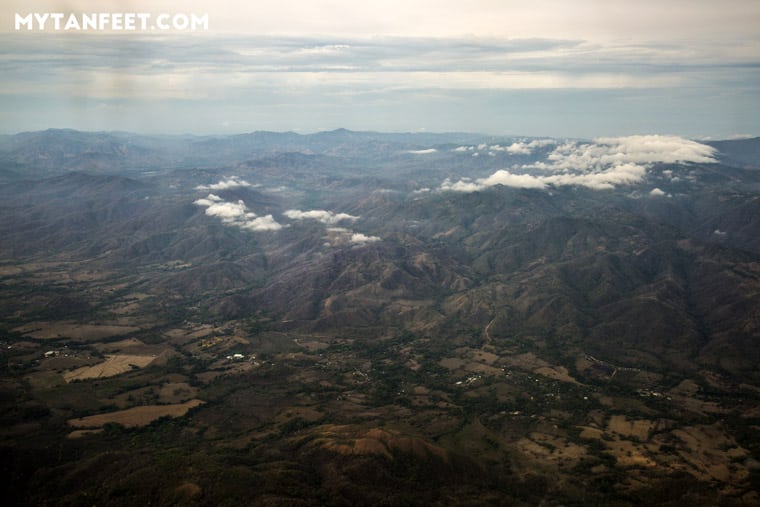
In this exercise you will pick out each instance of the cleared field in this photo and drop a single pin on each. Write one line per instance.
(10, 270)
(83, 433)
(550, 449)
(117, 346)
(72, 330)
(557, 373)
(135, 416)
(639, 428)
(113, 365)
(176, 392)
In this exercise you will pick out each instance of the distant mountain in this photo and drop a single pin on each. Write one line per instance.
(58, 150)
(744, 152)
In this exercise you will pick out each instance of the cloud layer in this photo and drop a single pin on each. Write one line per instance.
(544, 82)
(602, 164)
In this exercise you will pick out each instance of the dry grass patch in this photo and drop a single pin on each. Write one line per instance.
(83, 433)
(630, 454)
(711, 453)
(44, 379)
(72, 330)
(589, 433)
(313, 345)
(189, 333)
(556, 373)
(484, 357)
(348, 440)
(176, 392)
(626, 452)
(187, 491)
(686, 395)
(636, 428)
(306, 413)
(125, 308)
(526, 361)
(484, 369)
(117, 346)
(113, 365)
(135, 416)
(10, 270)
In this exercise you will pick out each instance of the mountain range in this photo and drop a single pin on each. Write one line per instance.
(630, 265)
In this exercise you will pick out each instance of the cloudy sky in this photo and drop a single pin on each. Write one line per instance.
(581, 68)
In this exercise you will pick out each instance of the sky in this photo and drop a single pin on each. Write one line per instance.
(575, 69)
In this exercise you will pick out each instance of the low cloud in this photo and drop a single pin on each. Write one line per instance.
(602, 164)
(228, 182)
(208, 201)
(423, 152)
(609, 151)
(623, 174)
(358, 238)
(265, 223)
(337, 236)
(324, 216)
(237, 214)
(528, 147)
(501, 177)
(522, 147)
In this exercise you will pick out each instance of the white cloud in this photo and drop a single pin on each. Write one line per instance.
(517, 148)
(265, 223)
(623, 174)
(360, 239)
(324, 216)
(602, 164)
(423, 152)
(339, 236)
(526, 148)
(501, 177)
(228, 182)
(236, 214)
(227, 211)
(336, 236)
(657, 148)
(208, 201)
(607, 151)
(656, 192)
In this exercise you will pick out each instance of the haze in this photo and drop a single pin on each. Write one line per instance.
(580, 69)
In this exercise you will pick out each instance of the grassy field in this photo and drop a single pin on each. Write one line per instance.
(113, 365)
(72, 330)
(135, 416)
